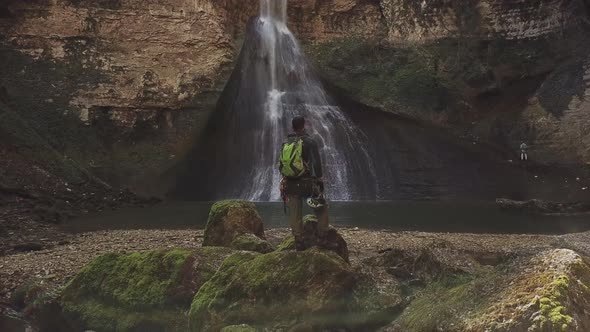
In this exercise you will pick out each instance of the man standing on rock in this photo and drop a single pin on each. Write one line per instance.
(301, 167)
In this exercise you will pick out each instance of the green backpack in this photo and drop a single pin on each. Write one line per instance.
(291, 164)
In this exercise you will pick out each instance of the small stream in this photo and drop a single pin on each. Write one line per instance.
(427, 216)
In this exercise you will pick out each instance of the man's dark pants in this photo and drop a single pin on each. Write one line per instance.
(297, 191)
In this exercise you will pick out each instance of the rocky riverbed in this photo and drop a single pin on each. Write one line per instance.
(520, 281)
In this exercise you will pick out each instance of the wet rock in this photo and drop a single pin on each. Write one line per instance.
(333, 241)
(229, 220)
(140, 291)
(550, 293)
(377, 296)
(546, 292)
(251, 242)
(537, 206)
(423, 265)
(276, 289)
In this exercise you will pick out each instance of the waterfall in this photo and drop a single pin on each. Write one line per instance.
(293, 89)
(272, 82)
(236, 155)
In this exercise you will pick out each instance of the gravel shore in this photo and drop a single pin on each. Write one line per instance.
(58, 263)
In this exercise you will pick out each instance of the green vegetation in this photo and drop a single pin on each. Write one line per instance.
(440, 304)
(142, 279)
(276, 287)
(553, 315)
(433, 77)
(287, 244)
(221, 208)
(234, 229)
(385, 77)
(251, 242)
(124, 292)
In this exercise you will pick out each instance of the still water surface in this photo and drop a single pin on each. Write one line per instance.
(428, 216)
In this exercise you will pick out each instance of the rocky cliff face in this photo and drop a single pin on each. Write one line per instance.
(519, 19)
(131, 56)
(495, 71)
(143, 75)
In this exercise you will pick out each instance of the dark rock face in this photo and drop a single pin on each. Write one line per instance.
(538, 206)
(236, 224)
(333, 241)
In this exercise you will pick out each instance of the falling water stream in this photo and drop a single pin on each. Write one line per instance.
(293, 90)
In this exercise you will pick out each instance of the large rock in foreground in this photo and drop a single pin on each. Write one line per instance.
(276, 290)
(145, 291)
(236, 224)
(548, 292)
(333, 241)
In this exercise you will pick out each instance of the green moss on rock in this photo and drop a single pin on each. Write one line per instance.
(251, 242)
(544, 293)
(139, 291)
(287, 244)
(436, 307)
(142, 279)
(276, 287)
(231, 219)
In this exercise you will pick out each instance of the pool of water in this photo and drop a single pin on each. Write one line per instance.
(428, 216)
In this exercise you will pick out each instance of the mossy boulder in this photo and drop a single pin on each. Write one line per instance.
(276, 289)
(377, 297)
(333, 241)
(551, 293)
(230, 220)
(548, 292)
(143, 291)
(251, 242)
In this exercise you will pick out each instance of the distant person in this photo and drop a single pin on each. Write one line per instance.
(301, 167)
(523, 152)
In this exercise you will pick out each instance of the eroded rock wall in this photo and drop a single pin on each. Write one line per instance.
(149, 55)
(121, 86)
(515, 19)
(144, 68)
(315, 20)
(502, 72)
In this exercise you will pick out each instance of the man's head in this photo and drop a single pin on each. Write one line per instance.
(298, 123)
